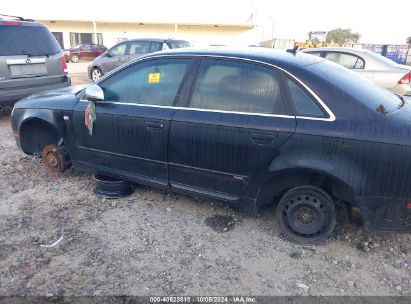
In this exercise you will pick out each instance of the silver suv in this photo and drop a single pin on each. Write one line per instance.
(31, 60)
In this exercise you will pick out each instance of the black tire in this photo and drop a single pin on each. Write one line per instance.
(96, 74)
(306, 215)
(74, 58)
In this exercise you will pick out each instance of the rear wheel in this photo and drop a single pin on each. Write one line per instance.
(306, 215)
(96, 74)
(74, 58)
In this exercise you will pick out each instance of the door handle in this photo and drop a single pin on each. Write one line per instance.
(154, 125)
(262, 138)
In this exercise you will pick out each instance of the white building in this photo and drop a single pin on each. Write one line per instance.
(73, 32)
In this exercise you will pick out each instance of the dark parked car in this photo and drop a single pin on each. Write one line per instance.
(253, 128)
(31, 60)
(128, 50)
(84, 51)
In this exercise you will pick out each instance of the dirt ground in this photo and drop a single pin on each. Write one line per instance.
(158, 243)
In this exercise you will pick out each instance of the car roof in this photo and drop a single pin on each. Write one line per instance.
(22, 21)
(265, 55)
(338, 49)
(153, 39)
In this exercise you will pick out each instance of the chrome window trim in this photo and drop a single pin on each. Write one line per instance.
(317, 98)
(190, 109)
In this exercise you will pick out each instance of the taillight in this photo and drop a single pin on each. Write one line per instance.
(64, 65)
(10, 22)
(406, 79)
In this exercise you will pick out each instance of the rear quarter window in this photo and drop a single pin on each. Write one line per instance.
(304, 104)
(27, 40)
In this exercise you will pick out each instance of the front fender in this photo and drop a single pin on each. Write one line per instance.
(53, 117)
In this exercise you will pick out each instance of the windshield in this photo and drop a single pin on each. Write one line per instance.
(178, 44)
(27, 40)
(371, 95)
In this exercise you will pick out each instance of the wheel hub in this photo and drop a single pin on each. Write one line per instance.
(55, 158)
(305, 215)
(51, 160)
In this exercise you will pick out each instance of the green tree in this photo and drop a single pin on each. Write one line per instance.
(341, 36)
(409, 41)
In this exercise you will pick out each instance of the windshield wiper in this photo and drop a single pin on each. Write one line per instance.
(37, 54)
(402, 101)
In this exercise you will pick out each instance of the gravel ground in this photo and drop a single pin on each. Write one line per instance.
(158, 243)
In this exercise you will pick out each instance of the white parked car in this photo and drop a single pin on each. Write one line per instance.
(376, 68)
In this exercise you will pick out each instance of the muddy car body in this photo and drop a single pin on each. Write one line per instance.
(250, 127)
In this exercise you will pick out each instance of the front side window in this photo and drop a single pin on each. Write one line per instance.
(154, 82)
(237, 87)
(303, 103)
(85, 47)
(118, 50)
(139, 47)
(346, 60)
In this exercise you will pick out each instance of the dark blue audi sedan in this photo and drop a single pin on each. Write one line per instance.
(251, 127)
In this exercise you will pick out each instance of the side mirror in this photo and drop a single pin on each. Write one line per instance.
(110, 54)
(94, 93)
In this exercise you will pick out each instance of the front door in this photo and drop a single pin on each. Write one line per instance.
(85, 51)
(114, 57)
(235, 122)
(130, 133)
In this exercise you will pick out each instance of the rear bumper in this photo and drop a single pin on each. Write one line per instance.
(10, 96)
(402, 89)
(386, 213)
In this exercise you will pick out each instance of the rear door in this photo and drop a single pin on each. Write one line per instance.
(29, 56)
(114, 57)
(376, 74)
(95, 50)
(235, 121)
(137, 49)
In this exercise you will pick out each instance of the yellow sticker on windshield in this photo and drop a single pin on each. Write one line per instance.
(154, 78)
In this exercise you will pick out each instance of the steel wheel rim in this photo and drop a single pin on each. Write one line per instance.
(306, 215)
(74, 58)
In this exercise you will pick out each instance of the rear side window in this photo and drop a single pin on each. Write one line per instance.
(303, 103)
(235, 86)
(139, 47)
(155, 46)
(314, 53)
(27, 40)
(175, 44)
(154, 82)
(346, 60)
